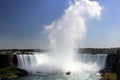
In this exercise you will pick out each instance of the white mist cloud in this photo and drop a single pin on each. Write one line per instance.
(65, 34)
(70, 28)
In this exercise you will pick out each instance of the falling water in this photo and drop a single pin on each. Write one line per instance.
(64, 36)
(36, 64)
(26, 61)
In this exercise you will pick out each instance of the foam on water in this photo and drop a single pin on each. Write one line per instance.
(41, 63)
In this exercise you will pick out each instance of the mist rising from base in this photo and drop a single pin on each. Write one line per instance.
(86, 66)
(64, 36)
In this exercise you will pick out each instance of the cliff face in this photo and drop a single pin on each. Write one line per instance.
(113, 64)
(8, 69)
(4, 60)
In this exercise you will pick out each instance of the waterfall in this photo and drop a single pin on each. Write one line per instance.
(98, 59)
(32, 62)
(66, 33)
(25, 60)
(64, 36)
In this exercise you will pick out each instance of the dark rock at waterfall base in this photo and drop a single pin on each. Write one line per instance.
(21, 72)
(118, 69)
(9, 77)
(102, 72)
(8, 67)
(4, 60)
(15, 60)
(111, 63)
(9, 72)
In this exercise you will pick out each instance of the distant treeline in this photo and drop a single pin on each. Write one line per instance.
(29, 50)
(100, 50)
(80, 50)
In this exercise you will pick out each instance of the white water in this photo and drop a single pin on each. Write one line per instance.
(86, 69)
(64, 36)
(66, 33)
(37, 62)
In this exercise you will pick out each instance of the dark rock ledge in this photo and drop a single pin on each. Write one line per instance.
(8, 67)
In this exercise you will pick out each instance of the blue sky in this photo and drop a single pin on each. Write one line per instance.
(22, 23)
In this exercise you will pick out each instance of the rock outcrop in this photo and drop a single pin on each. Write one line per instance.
(8, 67)
(4, 60)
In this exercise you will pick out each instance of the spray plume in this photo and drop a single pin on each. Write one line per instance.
(70, 28)
(64, 36)
(66, 33)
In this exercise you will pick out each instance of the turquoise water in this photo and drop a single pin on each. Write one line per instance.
(62, 76)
